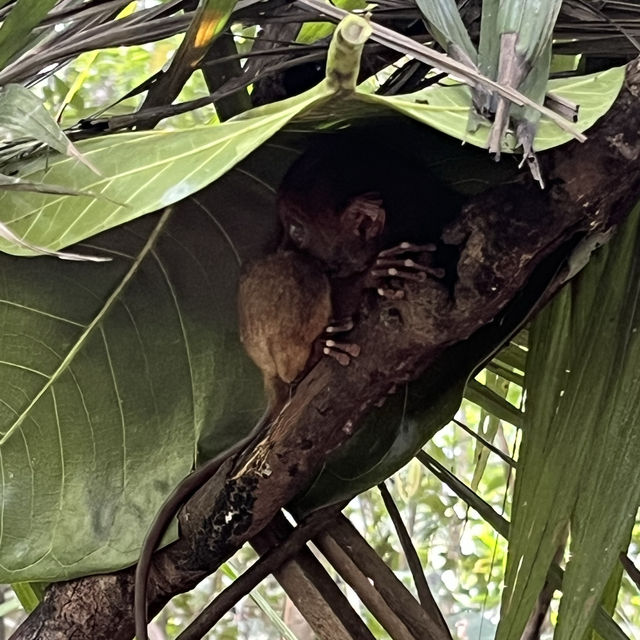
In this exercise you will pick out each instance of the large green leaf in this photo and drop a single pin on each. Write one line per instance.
(140, 173)
(182, 350)
(581, 441)
(143, 172)
(113, 375)
(446, 107)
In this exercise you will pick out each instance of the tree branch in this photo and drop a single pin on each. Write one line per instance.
(378, 587)
(425, 596)
(309, 586)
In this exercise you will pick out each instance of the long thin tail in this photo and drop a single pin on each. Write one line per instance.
(169, 509)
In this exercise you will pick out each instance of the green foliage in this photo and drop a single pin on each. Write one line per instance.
(578, 460)
(16, 30)
(533, 22)
(311, 32)
(489, 425)
(23, 116)
(139, 173)
(29, 594)
(446, 107)
(447, 26)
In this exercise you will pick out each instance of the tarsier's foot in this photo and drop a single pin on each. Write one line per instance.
(391, 264)
(340, 351)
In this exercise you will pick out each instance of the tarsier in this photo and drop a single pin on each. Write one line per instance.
(333, 208)
(346, 209)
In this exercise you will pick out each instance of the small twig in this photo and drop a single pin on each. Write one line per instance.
(632, 571)
(377, 574)
(289, 49)
(266, 565)
(424, 592)
(231, 87)
(312, 590)
(486, 511)
(359, 582)
(485, 443)
(216, 76)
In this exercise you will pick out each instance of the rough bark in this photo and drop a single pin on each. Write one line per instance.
(504, 235)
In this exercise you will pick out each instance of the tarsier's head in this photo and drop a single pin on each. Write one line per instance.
(344, 239)
(335, 215)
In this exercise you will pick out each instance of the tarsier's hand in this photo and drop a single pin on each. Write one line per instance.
(404, 262)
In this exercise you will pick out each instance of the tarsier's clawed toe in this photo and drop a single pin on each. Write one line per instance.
(339, 326)
(391, 294)
(390, 263)
(341, 351)
(407, 247)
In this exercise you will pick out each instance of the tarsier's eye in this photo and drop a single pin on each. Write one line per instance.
(297, 234)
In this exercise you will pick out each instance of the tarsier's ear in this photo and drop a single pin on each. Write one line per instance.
(364, 215)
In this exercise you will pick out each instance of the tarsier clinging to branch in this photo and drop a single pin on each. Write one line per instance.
(354, 218)
(340, 237)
